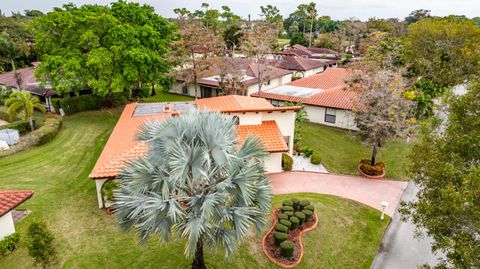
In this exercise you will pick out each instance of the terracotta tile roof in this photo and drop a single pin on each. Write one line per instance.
(332, 85)
(122, 144)
(11, 199)
(123, 147)
(300, 63)
(238, 103)
(268, 132)
(300, 50)
(28, 81)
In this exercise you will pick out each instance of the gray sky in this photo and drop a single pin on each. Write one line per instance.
(337, 9)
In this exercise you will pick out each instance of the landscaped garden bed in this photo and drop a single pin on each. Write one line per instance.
(283, 242)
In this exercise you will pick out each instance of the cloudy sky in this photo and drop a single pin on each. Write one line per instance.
(337, 9)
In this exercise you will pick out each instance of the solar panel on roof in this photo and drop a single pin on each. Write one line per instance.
(158, 108)
(294, 91)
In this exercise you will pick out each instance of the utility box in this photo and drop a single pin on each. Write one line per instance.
(11, 136)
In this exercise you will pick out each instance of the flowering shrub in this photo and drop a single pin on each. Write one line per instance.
(372, 170)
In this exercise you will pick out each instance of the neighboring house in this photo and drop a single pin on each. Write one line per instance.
(303, 67)
(324, 96)
(245, 71)
(29, 83)
(9, 200)
(255, 117)
(313, 53)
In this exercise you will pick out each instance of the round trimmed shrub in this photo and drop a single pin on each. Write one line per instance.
(281, 228)
(286, 223)
(287, 162)
(308, 214)
(295, 221)
(286, 248)
(288, 213)
(301, 217)
(287, 203)
(282, 216)
(309, 207)
(295, 202)
(287, 208)
(279, 237)
(304, 203)
(315, 159)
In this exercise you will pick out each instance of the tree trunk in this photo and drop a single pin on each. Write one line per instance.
(16, 75)
(194, 75)
(260, 78)
(311, 30)
(198, 261)
(374, 154)
(30, 121)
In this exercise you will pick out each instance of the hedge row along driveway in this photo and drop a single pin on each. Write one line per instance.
(348, 234)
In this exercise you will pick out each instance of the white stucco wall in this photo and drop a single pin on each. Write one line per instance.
(273, 163)
(248, 118)
(6, 225)
(99, 183)
(344, 118)
(177, 88)
(273, 83)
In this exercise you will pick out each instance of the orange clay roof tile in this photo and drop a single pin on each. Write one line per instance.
(268, 133)
(11, 199)
(237, 103)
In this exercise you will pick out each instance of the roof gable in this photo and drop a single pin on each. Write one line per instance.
(11, 199)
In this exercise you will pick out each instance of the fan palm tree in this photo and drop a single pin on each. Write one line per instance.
(195, 183)
(23, 102)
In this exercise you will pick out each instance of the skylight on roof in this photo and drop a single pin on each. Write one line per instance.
(294, 91)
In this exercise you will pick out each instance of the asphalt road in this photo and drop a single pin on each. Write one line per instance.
(399, 248)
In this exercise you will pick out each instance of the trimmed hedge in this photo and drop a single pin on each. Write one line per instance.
(286, 248)
(296, 203)
(309, 207)
(304, 203)
(308, 214)
(295, 222)
(21, 125)
(279, 237)
(286, 223)
(71, 105)
(301, 217)
(287, 162)
(282, 216)
(281, 228)
(288, 213)
(9, 244)
(287, 203)
(287, 208)
(316, 159)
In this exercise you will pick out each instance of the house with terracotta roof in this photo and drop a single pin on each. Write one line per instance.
(9, 200)
(324, 96)
(253, 116)
(244, 71)
(303, 67)
(310, 52)
(28, 82)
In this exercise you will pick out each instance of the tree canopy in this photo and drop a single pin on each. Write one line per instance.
(103, 48)
(446, 168)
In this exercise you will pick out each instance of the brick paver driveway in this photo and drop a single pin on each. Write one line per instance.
(366, 191)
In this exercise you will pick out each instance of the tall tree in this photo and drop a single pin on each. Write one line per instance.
(258, 43)
(195, 183)
(196, 43)
(23, 103)
(107, 49)
(271, 14)
(381, 111)
(417, 15)
(311, 11)
(446, 168)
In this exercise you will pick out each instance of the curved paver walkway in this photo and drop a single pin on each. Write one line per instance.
(366, 191)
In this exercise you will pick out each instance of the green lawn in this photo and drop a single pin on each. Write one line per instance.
(166, 97)
(347, 236)
(341, 151)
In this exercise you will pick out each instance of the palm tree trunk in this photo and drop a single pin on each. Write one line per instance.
(374, 154)
(30, 121)
(311, 30)
(198, 261)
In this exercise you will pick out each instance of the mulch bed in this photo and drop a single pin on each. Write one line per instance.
(273, 251)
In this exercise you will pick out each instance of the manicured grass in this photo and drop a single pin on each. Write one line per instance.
(166, 97)
(347, 236)
(341, 151)
(283, 41)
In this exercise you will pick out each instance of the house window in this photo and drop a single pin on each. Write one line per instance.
(236, 120)
(330, 115)
(185, 90)
(275, 103)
